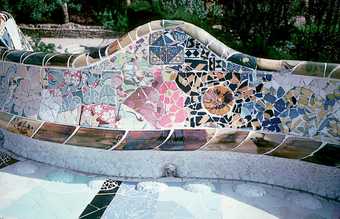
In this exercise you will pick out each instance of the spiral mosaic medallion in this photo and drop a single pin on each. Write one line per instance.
(218, 100)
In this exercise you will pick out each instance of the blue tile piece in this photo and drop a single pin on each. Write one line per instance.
(275, 120)
(328, 102)
(269, 77)
(159, 42)
(231, 67)
(269, 98)
(293, 113)
(265, 123)
(280, 105)
(280, 92)
(167, 40)
(172, 52)
(259, 116)
(179, 36)
(232, 86)
(156, 50)
(284, 113)
(301, 111)
(258, 107)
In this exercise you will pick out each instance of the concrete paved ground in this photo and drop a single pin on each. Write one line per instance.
(30, 189)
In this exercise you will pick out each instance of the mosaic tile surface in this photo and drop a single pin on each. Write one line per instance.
(187, 139)
(51, 192)
(54, 132)
(24, 126)
(225, 140)
(4, 119)
(101, 201)
(6, 160)
(260, 143)
(142, 140)
(96, 138)
(171, 77)
(296, 148)
(327, 155)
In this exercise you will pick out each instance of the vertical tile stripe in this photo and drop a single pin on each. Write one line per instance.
(102, 200)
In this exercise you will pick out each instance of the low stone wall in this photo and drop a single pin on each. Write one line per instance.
(69, 30)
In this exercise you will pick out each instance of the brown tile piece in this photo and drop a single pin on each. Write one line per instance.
(226, 140)
(328, 155)
(54, 132)
(187, 139)
(24, 126)
(143, 140)
(296, 148)
(260, 143)
(96, 138)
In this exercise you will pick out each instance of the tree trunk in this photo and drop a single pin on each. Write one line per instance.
(65, 11)
(128, 2)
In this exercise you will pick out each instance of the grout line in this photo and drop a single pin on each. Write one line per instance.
(207, 143)
(318, 149)
(119, 142)
(278, 146)
(12, 118)
(166, 139)
(244, 140)
(73, 133)
(35, 132)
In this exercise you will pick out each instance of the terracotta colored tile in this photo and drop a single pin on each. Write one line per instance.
(4, 119)
(296, 148)
(187, 139)
(23, 126)
(226, 140)
(96, 138)
(114, 46)
(54, 132)
(260, 143)
(125, 40)
(142, 140)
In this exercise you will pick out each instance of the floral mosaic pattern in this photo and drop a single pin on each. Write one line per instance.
(168, 76)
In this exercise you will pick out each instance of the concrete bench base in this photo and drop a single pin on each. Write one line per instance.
(292, 174)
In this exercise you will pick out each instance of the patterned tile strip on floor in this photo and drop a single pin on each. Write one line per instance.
(103, 198)
(6, 160)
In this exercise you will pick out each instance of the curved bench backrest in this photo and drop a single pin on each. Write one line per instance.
(11, 36)
(169, 75)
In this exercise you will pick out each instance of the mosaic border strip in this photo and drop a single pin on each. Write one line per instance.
(253, 142)
(6, 160)
(98, 205)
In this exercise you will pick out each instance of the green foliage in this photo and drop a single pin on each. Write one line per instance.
(291, 29)
(141, 5)
(113, 20)
(284, 29)
(40, 46)
(37, 11)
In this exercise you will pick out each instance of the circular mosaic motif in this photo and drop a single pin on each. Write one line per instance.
(218, 100)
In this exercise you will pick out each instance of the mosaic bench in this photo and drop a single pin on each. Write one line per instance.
(168, 86)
